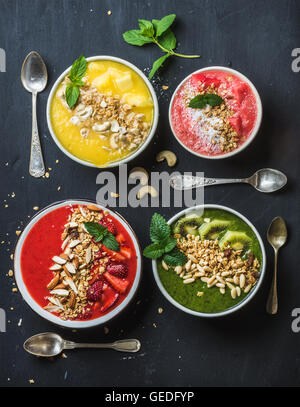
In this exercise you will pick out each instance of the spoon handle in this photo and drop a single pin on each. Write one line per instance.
(272, 303)
(184, 182)
(125, 345)
(36, 165)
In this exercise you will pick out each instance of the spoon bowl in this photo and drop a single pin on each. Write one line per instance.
(268, 180)
(34, 75)
(45, 344)
(277, 233)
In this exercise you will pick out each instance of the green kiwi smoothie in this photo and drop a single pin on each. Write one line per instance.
(229, 236)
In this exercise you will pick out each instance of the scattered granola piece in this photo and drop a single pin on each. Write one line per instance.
(64, 356)
(18, 232)
(31, 381)
(35, 208)
(20, 322)
(47, 175)
(164, 87)
(109, 12)
(114, 195)
(10, 273)
(160, 310)
(14, 290)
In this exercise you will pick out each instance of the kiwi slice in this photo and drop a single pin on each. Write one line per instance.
(188, 225)
(236, 240)
(211, 230)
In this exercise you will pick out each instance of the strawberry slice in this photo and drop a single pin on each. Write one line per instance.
(199, 79)
(109, 297)
(114, 255)
(120, 238)
(126, 251)
(117, 283)
(236, 123)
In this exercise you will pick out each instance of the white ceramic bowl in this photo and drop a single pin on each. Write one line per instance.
(48, 315)
(258, 119)
(252, 292)
(135, 153)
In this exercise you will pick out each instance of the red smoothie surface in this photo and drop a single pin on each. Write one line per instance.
(192, 127)
(44, 241)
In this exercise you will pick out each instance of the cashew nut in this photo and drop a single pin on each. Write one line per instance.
(141, 173)
(167, 155)
(147, 189)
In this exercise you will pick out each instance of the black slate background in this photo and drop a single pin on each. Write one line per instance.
(256, 38)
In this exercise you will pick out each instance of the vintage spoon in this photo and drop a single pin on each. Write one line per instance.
(277, 235)
(34, 78)
(50, 344)
(266, 180)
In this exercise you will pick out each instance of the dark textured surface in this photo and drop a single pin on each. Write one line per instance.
(255, 37)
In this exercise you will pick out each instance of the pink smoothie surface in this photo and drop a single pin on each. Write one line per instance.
(195, 130)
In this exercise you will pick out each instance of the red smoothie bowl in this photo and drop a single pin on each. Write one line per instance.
(77, 264)
(226, 113)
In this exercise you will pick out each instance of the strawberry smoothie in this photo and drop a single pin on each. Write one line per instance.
(214, 130)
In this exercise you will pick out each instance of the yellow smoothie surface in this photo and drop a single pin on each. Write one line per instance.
(112, 118)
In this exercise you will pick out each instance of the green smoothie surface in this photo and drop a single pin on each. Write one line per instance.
(212, 301)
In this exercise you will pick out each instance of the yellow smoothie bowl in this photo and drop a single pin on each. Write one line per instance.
(114, 119)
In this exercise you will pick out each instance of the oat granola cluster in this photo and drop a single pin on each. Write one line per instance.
(109, 117)
(72, 268)
(223, 269)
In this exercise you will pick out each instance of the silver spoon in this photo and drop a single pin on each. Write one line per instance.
(277, 235)
(50, 344)
(266, 180)
(34, 78)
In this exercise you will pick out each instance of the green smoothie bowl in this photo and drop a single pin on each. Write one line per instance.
(226, 262)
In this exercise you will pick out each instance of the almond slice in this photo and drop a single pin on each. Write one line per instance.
(88, 255)
(60, 291)
(55, 267)
(65, 242)
(74, 243)
(76, 262)
(72, 300)
(72, 285)
(83, 212)
(56, 302)
(94, 208)
(59, 260)
(64, 256)
(52, 308)
(70, 267)
(53, 283)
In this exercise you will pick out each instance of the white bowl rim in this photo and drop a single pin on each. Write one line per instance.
(48, 315)
(135, 153)
(252, 292)
(258, 120)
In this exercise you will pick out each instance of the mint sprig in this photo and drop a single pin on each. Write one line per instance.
(164, 245)
(200, 101)
(101, 234)
(77, 72)
(159, 33)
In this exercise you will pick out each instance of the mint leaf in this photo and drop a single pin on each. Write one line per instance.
(110, 242)
(159, 229)
(163, 24)
(153, 251)
(96, 230)
(134, 37)
(146, 27)
(78, 69)
(175, 258)
(72, 95)
(169, 244)
(168, 40)
(157, 64)
(200, 101)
